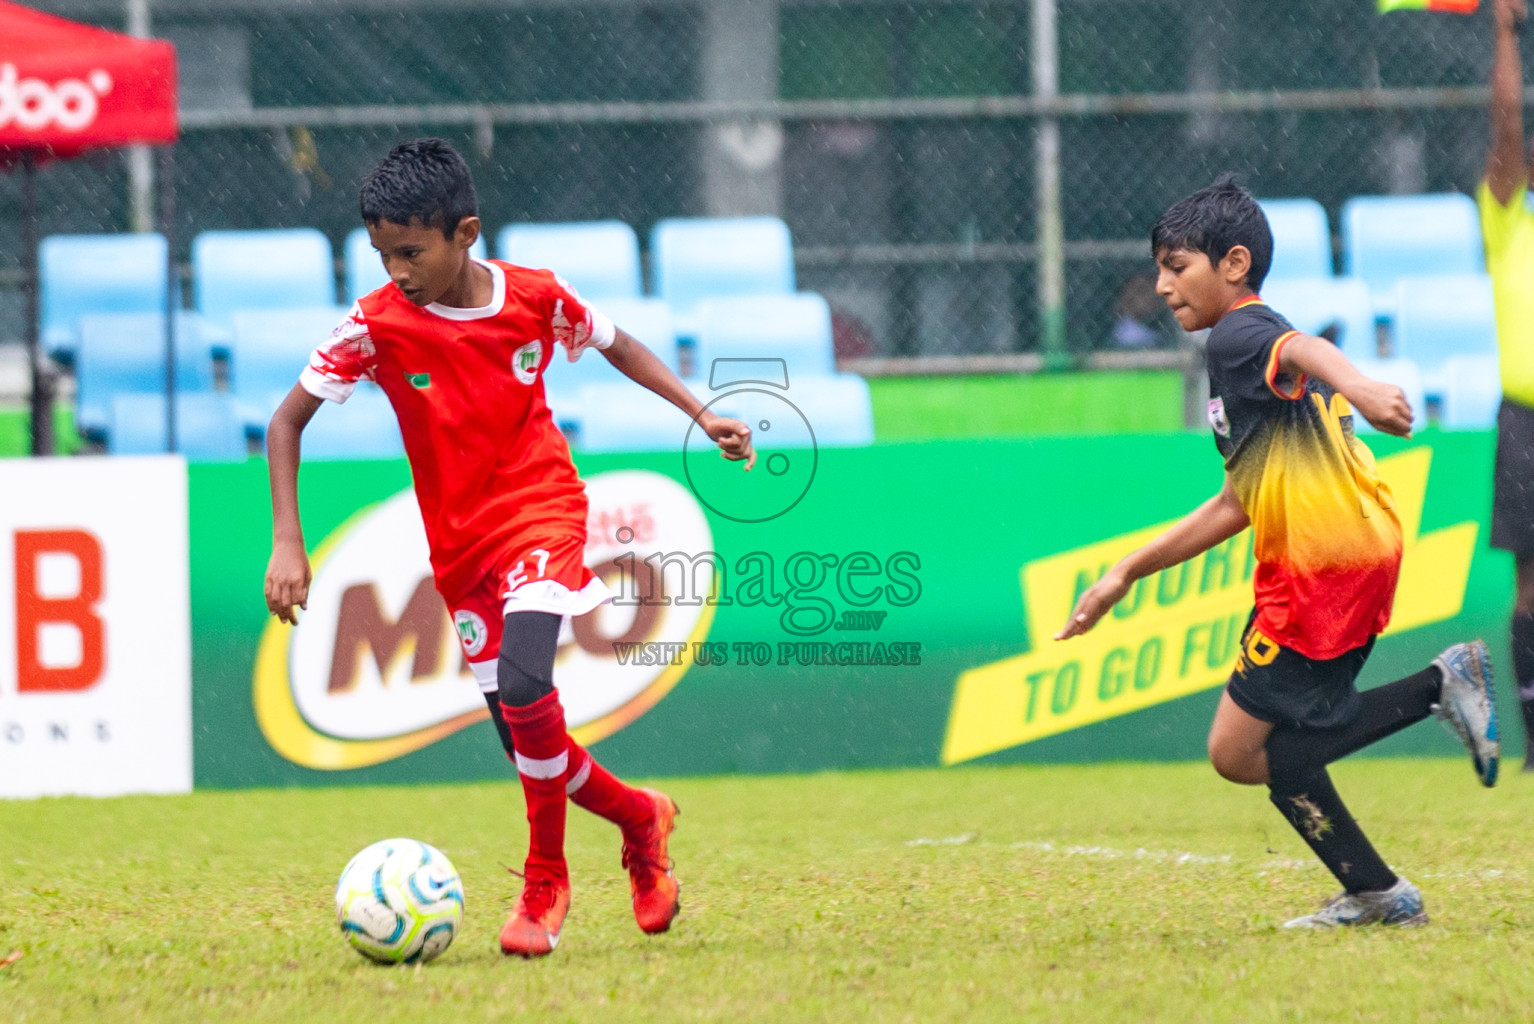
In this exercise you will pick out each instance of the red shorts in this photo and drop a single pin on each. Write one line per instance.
(541, 576)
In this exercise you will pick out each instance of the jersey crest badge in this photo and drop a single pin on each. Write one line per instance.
(471, 632)
(1217, 418)
(525, 360)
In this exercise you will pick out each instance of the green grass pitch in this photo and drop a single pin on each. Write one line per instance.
(1117, 893)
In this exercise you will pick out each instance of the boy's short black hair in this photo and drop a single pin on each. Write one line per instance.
(422, 180)
(1214, 220)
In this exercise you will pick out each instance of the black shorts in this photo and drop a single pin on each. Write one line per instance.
(1512, 494)
(1284, 687)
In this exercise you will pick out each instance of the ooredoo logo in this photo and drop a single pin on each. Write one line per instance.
(33, 104)
(377, 667)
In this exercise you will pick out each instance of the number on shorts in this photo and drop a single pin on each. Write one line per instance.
(518, 576)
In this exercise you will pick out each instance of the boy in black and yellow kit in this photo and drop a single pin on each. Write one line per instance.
(1328, 549)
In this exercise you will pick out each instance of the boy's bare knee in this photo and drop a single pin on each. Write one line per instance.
(1234, 764)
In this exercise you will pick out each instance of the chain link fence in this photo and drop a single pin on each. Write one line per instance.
(900, 141)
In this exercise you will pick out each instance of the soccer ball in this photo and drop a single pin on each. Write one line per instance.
(399, 901)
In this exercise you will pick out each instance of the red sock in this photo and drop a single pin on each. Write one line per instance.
(597, 790)
(538, 735)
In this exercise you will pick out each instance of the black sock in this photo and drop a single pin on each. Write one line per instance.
(1317, 813)
(1523, 673)
(1382, 711)
(494, 702)
(525, 671)
(1523, 656)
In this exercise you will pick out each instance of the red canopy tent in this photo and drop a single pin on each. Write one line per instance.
(66, 88)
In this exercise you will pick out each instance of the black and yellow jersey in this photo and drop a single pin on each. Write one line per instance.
(1326, 536)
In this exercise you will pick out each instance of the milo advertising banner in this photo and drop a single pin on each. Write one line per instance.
(834, 608)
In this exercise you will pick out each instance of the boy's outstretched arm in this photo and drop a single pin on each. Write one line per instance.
(1505, 167)
(642, 366)
(1383, 405)
(287, 574)
(1214, 522)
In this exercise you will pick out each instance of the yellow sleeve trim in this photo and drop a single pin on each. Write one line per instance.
(1271, 376)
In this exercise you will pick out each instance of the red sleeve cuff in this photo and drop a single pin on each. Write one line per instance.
(1272, 375)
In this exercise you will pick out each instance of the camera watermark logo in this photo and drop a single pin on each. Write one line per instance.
(755, 391)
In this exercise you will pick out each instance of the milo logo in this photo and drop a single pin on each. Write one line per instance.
(377, 667)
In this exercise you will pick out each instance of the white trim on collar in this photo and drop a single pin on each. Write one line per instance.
(497, 298)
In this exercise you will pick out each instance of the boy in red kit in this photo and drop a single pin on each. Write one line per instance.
(460, 347)
(1328, 547)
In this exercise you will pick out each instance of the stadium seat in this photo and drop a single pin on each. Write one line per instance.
(1442, 316)
(795, 328)
(270, 348)
(569, 413)
(234, 270)
(363, 427)
(565, 383)
(624, 417)
(1302, 239)
(648, 320)
(1472, 393)
(1385, 238)
(123, 353)
(695, 258)
(1404, 374)
(83, 274)
(837, 410)
(599, 258)
(364, 267)
(209, 427)
(1312, 304)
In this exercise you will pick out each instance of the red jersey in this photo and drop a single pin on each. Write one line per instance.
(1326, 534)
(491, 469)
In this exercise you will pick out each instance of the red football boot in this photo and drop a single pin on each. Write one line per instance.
(655, 893)
(533, 928)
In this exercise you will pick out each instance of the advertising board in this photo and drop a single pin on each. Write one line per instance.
(95, 651)
(898, 613)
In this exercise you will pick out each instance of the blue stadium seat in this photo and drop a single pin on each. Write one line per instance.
(270, 349)
(364, 267)
(125, 352)
(1404, 374)
(795, 328)
(837, 410)
(1443, 316)
(627, 418)
(83, 274)
(694, 258)
(1313, 304)
(363, 427)
(599, 258)
(569, 412)
(648, 320)
(234, 270)
(209, 427)
(1385, 238)
(1472, 393)
(1302, 238)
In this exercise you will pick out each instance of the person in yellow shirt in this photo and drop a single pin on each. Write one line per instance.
(1507, 223)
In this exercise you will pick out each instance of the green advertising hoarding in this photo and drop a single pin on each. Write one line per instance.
(882, 606)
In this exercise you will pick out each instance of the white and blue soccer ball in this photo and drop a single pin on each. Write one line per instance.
(399, 901)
